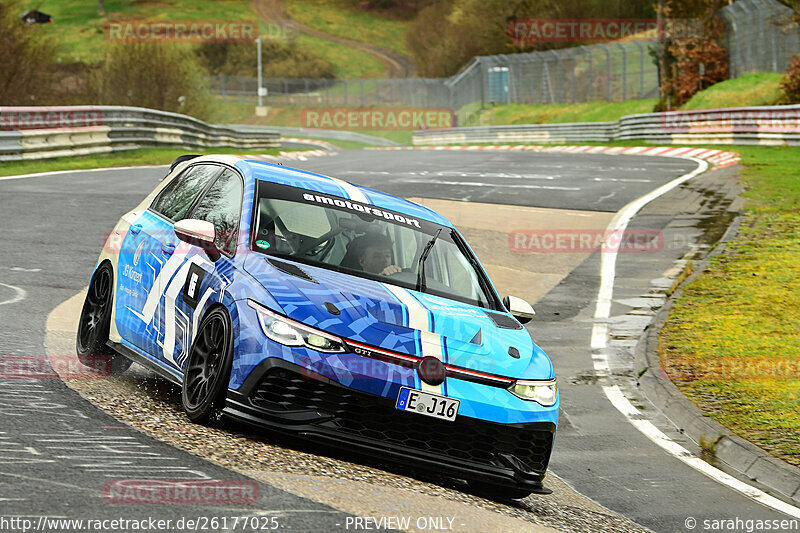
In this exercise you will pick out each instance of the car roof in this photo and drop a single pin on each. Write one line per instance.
(269, 172)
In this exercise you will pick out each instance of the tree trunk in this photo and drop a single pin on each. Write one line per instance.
(101, 7)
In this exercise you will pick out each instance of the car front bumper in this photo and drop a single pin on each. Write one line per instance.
(289, 398)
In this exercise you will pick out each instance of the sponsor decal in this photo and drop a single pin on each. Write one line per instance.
(377, 118)
(262, 244)
(191, 288)
(361, 208)
(138, 253)
(183, 31)
(533, 30)
(131, 274)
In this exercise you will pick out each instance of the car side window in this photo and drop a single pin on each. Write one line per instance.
(177, 197)
(221, 205)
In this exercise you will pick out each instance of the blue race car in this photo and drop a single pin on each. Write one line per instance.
(305, 304)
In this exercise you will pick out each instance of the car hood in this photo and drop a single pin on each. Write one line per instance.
(371, 312)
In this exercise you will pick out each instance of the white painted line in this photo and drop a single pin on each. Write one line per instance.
(614, 394)
(20, 294)
(479, 184)
(56, 172)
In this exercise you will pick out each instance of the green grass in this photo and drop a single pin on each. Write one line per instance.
(556, 113)
(348, 61)
(340, 18)
(78, 29)
(140, 156)
(748, 90)
(732, 342)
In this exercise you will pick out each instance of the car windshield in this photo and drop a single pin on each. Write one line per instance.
(366, 241)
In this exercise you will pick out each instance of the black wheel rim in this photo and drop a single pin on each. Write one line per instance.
(205, 362)
(95, 308)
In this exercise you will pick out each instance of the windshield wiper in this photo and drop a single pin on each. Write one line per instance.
(421, 262)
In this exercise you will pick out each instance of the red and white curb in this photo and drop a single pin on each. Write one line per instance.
(718, 158)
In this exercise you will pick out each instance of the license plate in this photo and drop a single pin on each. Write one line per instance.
(427, 404)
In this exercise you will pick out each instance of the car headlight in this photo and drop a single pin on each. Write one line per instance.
(541, 392)
(290, 333)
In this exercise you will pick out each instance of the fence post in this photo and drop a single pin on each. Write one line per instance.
(560, 75)
(624, 71)
(591, 75)
(608, 71)
(570, 53)
(641, 68)
(308, 95)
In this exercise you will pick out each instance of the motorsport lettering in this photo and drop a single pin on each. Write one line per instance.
(361, 209)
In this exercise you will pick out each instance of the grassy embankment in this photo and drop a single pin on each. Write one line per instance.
(78, 29)
(732, 342)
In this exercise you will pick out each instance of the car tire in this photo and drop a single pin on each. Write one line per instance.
(498, 492)
(95, 323)
(208, 368)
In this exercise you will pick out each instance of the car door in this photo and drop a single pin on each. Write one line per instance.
(200, 281)
(146, 258)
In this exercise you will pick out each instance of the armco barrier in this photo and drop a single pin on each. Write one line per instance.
(46, 132)
(773, 125)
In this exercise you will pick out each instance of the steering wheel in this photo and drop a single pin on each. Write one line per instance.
(313, 243)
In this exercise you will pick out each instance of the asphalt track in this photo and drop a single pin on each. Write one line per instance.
(57, 451)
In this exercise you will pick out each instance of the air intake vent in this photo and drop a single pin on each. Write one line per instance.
(292, 270)
(503, 321)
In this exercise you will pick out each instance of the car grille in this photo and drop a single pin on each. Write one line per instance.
(368, 416)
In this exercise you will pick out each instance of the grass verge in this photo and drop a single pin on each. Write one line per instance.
(732, 341)
(554, 113)
(748, 90)
(128, 158)
(340, 18)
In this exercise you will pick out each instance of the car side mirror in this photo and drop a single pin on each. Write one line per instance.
(198, 233)
(522, 310)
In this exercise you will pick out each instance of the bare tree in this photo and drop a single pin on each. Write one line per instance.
(101, 7)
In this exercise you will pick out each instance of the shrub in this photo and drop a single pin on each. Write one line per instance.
(278, 60)
(791, 82)
(25, 59)
(153, 75)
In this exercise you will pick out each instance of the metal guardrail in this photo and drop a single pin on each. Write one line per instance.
(46, 132)
(534, 133)
(336, 135)
(772, 125)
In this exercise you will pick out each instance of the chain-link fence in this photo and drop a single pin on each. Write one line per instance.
(761, 36)
(612, 72)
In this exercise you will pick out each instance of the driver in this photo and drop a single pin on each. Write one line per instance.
(374, 253)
